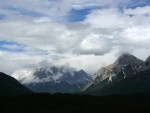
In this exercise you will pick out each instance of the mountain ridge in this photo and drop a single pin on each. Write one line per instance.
(126, 66)
(54, 79)
(10, 86)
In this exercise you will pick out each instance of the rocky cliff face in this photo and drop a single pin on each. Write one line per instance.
(126, 66)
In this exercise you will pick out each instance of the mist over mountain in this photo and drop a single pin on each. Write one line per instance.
(62, 56)
(112, 79)
(124, 84)
(53, 79)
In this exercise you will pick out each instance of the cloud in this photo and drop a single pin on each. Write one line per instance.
(27, 75)
(12, 61)
(94, 43)
(106, 18)
(44, 31)
(42, 35)
(124, 29)
(54, 9)
(54, 37)
(145, 10)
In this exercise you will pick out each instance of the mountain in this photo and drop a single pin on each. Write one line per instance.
(10, 86)
(146, 64)
(126, 75)
(53, 79)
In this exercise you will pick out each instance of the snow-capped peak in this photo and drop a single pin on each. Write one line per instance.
(54, 73)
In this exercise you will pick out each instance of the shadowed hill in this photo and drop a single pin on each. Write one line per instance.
(10, 86)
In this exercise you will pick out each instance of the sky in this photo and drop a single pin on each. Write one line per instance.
(85, 34)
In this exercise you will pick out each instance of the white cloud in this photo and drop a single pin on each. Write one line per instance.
(94, 44)
(145, 10)
(133, 31)
(25, 76)
(13, 61)
(54, 9)
(106, 18)
(89, 44)
(90, 63)
(42, 35)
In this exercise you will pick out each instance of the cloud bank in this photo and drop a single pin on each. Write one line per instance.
(31, 32)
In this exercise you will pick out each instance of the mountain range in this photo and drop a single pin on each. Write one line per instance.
(126, 75)
(53, 79)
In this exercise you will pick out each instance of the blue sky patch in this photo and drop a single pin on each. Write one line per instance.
(138, 3)
(2, 16)
(24, 12)
(11, 46)
(76, 15)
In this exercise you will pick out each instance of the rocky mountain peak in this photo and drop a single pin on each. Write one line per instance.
(126, 64)
(127, 59)
(126, 67)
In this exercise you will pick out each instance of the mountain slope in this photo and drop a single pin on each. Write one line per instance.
(53, 79)
(10, 86)
(139, 83)
(126, 75)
